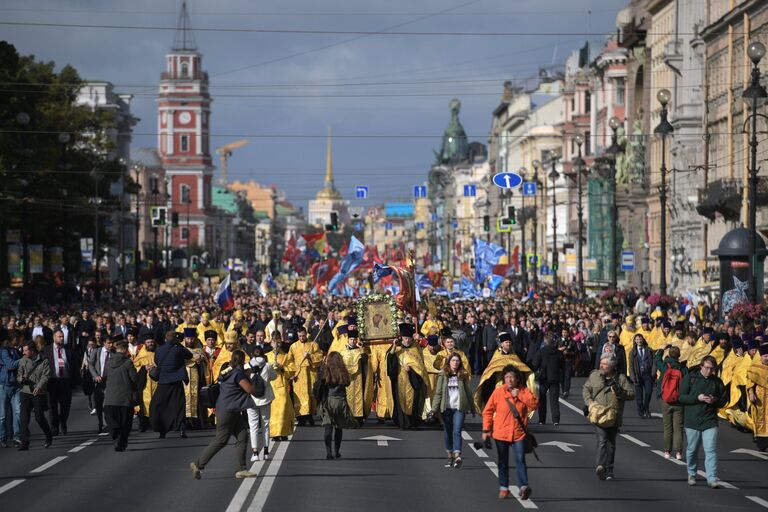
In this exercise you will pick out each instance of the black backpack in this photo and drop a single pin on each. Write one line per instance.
(259, 386)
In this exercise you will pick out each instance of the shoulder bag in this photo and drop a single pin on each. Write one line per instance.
(530, 440)
(603, 416)
(154, 373)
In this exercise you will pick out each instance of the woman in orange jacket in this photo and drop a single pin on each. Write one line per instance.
(500, 423)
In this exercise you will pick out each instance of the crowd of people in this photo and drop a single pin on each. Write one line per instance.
(290, 358)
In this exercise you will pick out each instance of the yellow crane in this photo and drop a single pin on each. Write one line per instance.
(225, 152)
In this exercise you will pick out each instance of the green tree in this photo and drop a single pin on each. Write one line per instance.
(48, 180)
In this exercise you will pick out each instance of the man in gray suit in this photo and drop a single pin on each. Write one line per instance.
(97, 366)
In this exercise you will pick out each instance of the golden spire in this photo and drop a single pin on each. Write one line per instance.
(329, 190)
(329, 164)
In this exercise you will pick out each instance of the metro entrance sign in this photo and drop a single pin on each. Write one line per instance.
(507, 180)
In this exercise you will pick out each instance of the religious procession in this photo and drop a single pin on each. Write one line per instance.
(257, 367)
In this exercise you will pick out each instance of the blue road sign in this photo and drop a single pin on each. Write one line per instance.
(361, 192)
(387, 225)
(470, 190)
(434, 217)
(507, 180)
(529, 188)
(419, 225)
(359, 226)
(545, 270)
(628, 261)
(455, 225)
(419, 191)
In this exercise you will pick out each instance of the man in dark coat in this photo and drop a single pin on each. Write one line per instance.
(65, 374)
(549, 365)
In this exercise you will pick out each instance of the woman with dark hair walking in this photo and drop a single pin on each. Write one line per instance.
(453, 400)
(505, 418)
(234, 399)
(333, 381)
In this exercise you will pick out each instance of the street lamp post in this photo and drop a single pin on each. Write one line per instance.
(662, 131)
(536, 165)
(613, 152)
(754, 95)
(523, 250)
(553, 176)
(139, 168)
(96, 200)
(578, 166)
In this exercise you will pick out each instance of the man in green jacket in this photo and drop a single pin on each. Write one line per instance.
(702, 393)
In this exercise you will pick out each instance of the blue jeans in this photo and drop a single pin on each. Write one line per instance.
(10, 398)
(453, 422)
(709, 439)
(518, 448)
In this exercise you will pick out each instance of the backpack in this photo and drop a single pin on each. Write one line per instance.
(259, 387)
(670, 385)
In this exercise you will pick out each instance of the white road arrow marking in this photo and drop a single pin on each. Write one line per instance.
(754, 453)
(566, 447)
(380, 440)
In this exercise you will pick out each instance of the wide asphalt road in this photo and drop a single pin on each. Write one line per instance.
(382, 468)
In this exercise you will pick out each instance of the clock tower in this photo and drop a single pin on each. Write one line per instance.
(183, 120)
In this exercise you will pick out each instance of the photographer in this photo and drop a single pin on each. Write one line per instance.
(605, 392)
(567, 346)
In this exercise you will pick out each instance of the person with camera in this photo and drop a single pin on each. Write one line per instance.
(568, 347)
(604, 393)
(505, 419)
(702, 393)
(33, 375)
(235, 397)
(119, 395)
(258, 415)
(642, 371)
(453, 400)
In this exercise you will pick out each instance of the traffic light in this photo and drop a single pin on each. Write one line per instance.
(158, 214)
(175, 219)
(511, 215)
(554, 267)
(334, 221)
(487, 222)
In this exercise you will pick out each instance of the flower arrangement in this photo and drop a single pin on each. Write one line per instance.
(746, 311)
(656, 299)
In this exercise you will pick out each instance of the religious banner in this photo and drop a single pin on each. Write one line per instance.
(57, 259)
(14, 259)
(36, 258)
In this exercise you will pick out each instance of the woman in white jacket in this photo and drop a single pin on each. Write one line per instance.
(258, 416)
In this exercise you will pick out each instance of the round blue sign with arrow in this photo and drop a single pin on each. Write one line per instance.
(507, 180)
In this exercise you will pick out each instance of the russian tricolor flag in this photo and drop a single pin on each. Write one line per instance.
(224, 297)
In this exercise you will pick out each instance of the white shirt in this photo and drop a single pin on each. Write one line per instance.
(37, 331)
(60, 361)
(453, 392)
(103, 358)
(65, 332)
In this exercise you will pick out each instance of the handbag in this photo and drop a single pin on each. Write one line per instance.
(209, 394)
(603, 416)
(530, 440)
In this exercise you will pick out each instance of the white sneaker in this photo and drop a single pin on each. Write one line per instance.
(93, 412)
(254, 457)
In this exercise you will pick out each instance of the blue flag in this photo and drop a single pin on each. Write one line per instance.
(423, 282)
(351, 261)
(487, 255)
(468, 288)
(380, 271)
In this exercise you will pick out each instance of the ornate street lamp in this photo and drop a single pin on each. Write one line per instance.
(754, 96)
(553, 176)
(523, 250)
(578, 166)
(662, 131)
(613, 152)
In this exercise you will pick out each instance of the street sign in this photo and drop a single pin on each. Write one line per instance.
(470, 190)
(419, 191)
(529, 188)
(361, 192)
(590, 264)
(544, 270)
(359, 226)
(507, 180)
(628, 261)
(503, 227)
(455, 225)
(419, 225)
(434, 217)
(387, 225)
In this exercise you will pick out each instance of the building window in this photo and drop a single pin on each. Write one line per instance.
(185, 233)
(620, 93)
(184, 143)
(184, 70)
(154, 184)
(587, 102)
(186, 197)
(573, 104)
(587, 143)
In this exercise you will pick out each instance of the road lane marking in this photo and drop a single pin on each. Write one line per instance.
(13, 483)
(721, 482)
(82, 446)
(756, 499)
(380, 440)
(479, 452)
(245, 488)
(754, 453)
(670, 459)
(515, 490)
(571, 406)
(262, 493)
(635, 440)
(566, 447)
(48, 464)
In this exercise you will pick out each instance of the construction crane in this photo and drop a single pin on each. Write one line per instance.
(225, 152)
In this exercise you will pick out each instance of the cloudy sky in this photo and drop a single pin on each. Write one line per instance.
(385, 96)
